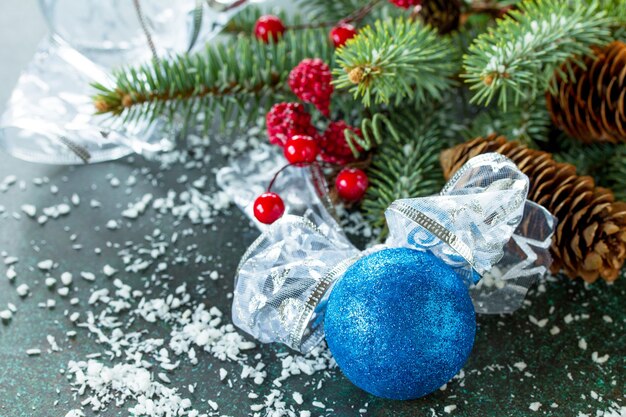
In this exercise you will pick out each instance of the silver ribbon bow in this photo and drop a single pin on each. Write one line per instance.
(481, 224)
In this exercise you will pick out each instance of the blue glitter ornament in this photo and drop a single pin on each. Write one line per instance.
(400, 323)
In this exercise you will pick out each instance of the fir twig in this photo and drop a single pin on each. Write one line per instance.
(396, 58)
(616, 173)
(605, 162)
(614, 9)
(528, 122)
(516, 59)
(374, 130)
(218, 82)
(406, 164)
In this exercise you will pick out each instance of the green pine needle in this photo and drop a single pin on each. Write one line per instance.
(614, 9)
(395, 59)
(517, 59)
(605, 162)
(615, 178)
(528, 122)
(329, 10)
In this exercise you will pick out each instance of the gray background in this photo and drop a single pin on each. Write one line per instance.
(21, 28)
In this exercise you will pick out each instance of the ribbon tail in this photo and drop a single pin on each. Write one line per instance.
(526, 259)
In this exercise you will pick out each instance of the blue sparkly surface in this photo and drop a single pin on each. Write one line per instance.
(400, 323)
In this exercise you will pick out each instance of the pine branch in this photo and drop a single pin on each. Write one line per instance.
(232, 79)
(395, 59)
(516, 59)
(616, 173)
(406, 164)
(614, 9)
(529, 123)
(605, 162)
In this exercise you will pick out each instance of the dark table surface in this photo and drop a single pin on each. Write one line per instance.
(562, 354)
(533, 356)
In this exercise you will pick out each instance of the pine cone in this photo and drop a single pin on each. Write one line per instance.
(593, 108)
(444, 15)
(590, 238)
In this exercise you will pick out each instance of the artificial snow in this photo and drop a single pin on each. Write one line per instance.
(22, 290)
(29, 210)
(599, 359)
(66, 278)
(45, 265)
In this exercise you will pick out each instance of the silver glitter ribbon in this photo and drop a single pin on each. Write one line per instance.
(481, 225)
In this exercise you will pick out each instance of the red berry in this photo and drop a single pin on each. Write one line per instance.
(333, 144)
(269, 28)
(301, 149)
(341, 33)
(351, 184)
(405, 4)
(268, 207)
(311, 80)
(504, 11)
(285, 120)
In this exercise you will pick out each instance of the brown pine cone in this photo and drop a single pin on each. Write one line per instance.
(444, 15)
(593, 108)
(590, 238)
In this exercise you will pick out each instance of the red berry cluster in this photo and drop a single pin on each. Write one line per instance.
(303, 150)
(285, 120)
(406, 4)
(289, 124)
(333, 144)
(351, 185)
(310, 81)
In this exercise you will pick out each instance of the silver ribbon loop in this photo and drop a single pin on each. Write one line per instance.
(470, 222)
(283, 281)
(433, 227)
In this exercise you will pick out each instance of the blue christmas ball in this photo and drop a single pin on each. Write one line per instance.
(400, 323)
